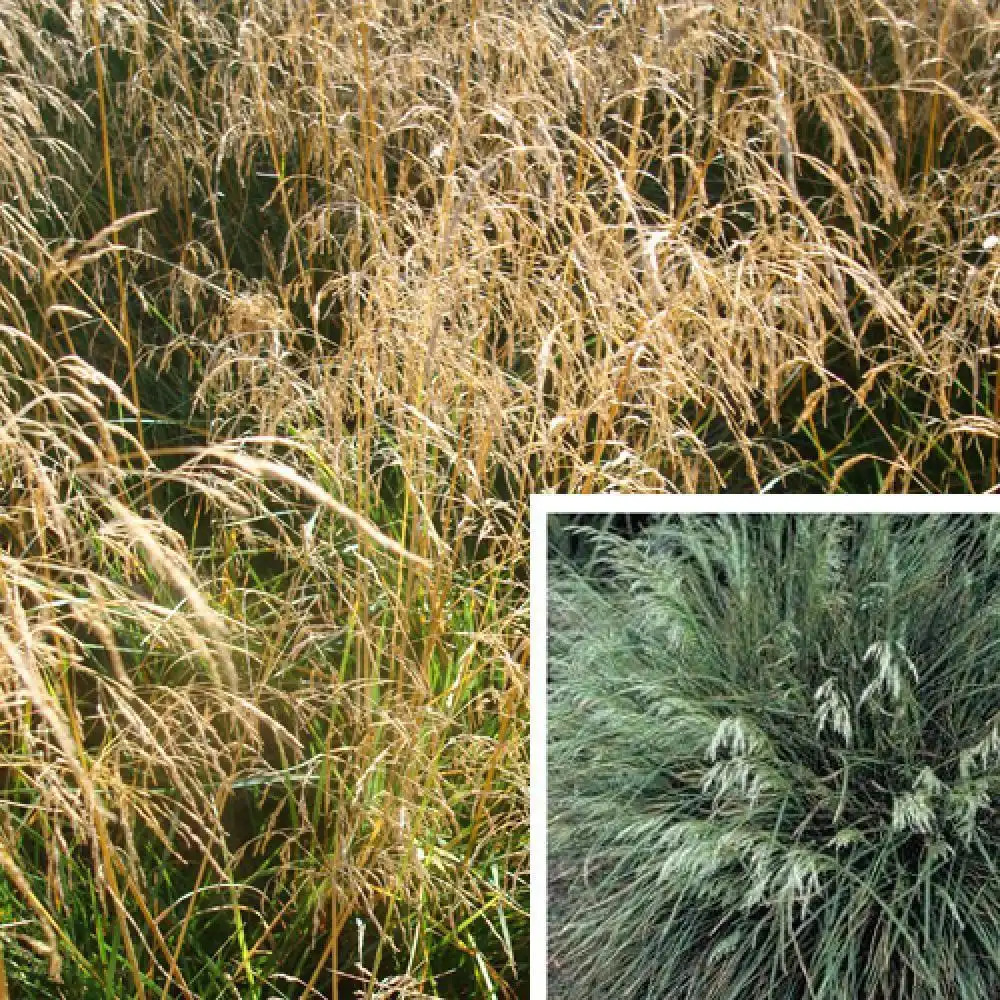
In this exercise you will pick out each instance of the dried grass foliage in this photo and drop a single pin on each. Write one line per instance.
(416, 261)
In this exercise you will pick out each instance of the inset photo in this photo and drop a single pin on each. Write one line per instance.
(770, 741)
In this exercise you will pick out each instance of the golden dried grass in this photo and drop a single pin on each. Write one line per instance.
(302, 301)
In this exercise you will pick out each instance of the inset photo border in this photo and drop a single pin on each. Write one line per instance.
(776, 745)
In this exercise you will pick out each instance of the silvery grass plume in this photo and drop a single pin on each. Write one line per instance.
(774, 751)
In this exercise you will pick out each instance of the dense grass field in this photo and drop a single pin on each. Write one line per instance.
(300, 300)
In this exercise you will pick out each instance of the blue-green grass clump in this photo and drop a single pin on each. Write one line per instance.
(774, 753)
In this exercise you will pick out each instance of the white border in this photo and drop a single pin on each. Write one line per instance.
(621, 503)
(792, 503)
(541, 506)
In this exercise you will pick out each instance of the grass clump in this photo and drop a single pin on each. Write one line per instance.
(224, 774)
(773, 760)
